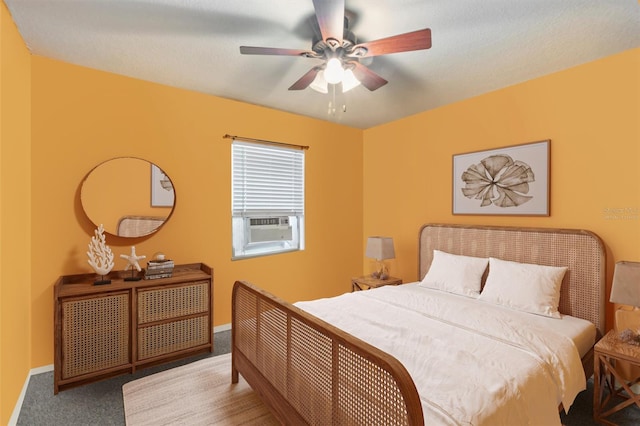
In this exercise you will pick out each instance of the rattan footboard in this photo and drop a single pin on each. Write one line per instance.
(309, 372)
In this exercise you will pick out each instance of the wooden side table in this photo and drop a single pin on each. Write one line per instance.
(367, 282)
(607, 353)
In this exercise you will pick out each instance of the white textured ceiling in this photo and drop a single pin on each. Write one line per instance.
(478, 46)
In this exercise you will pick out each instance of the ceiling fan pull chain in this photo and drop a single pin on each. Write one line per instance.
(332, 102)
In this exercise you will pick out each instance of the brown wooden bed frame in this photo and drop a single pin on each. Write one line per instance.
(310, 372)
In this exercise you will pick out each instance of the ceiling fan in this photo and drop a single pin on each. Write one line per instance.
(340, 52)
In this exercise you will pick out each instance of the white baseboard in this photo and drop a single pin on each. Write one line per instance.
(46, 368)
(16, 410)
(43, 369)
(223, 327)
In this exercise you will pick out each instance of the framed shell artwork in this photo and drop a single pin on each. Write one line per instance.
(513, 180)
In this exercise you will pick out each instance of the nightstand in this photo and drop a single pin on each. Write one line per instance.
(607, 353)
(367, 282)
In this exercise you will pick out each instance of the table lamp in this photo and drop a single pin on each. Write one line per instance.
(625, 290)
(380, 249)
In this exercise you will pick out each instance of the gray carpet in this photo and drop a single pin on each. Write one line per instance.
(101, 403)
(581, 412)
(97, 403)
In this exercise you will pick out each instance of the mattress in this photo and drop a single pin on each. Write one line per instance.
(580, 331)
(472, 362)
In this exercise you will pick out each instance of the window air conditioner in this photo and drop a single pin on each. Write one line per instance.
(266, 229)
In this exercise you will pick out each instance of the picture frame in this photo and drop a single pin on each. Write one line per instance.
(512, 180)
(162, 193)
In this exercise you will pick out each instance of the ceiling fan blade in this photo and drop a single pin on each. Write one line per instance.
(415, 40)
(368, 78)
(306, 79)
(251, 50)
(330, 14)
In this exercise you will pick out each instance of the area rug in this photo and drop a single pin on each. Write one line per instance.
(199, 393)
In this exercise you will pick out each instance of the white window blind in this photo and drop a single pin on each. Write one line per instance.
(267, 180)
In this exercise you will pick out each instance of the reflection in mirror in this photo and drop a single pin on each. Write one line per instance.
(131, 197)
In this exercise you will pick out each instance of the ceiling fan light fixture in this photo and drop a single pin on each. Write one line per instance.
(319, 84)
(349, 81)
(334, 72)
(335, 43)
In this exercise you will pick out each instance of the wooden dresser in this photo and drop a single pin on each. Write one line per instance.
(106, 330)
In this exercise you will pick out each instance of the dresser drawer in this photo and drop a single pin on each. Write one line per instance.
(162, 339)
(165, 303)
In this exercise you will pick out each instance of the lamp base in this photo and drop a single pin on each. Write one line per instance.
(628, 319)
(381, 271)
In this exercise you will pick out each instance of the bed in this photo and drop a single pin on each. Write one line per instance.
(309, 371)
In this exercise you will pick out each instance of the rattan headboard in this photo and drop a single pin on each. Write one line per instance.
(138, 226)
(583, 289)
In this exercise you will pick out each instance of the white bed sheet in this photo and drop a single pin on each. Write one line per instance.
(473, 363)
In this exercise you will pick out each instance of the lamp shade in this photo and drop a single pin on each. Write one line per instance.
(625, 289)
(380, 248)
(349, 81)
(319, 84)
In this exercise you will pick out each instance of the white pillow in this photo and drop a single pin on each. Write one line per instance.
(455, 273)
(524, 286)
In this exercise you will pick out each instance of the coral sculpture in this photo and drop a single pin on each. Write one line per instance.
(100, 255)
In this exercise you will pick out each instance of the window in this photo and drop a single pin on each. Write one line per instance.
(267, 199)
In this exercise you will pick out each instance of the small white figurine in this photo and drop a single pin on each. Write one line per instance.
(133, 264)
(133, 259)
(100, 255)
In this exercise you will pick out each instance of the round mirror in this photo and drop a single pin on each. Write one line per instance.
(129, 196)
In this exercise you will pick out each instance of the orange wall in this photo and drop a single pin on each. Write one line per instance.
(591, 113)
(81, 117)
(15, 214)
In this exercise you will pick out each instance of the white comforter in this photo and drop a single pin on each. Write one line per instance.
(473, 363)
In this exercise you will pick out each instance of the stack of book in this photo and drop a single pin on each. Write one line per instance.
(158, 269)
